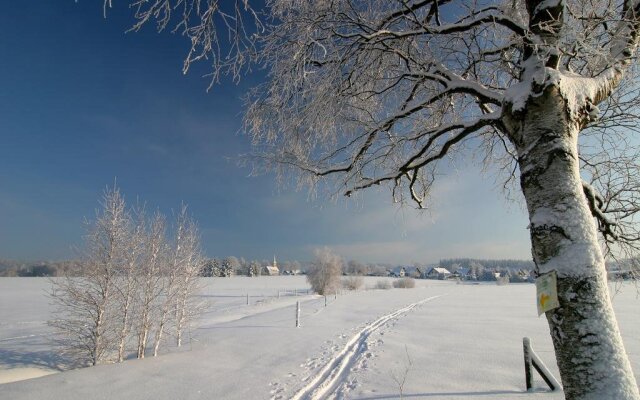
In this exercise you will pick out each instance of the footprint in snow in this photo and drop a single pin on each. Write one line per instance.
(275, 391)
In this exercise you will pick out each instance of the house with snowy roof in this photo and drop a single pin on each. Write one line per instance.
(437, 273)
(408, 271)
(463, 273)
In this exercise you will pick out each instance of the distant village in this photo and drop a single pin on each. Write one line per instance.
(464, 274)
(472, 270)
(461, 269)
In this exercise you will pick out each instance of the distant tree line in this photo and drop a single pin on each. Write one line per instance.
(234, 266)
(239, 266)
(9, 268)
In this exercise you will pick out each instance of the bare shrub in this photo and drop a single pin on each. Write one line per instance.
(384, 285)
(404, 283)
(352, 282)
(400, 377)
(503, 280)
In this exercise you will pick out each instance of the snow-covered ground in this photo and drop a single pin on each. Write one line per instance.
(444, 341)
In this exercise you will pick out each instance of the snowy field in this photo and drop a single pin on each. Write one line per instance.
(437, 341)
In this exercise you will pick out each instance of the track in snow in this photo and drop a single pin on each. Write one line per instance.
(337, 369)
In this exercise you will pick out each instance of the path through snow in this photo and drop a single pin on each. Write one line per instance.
(328, 381)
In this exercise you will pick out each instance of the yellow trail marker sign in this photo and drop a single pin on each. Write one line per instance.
(547, 292)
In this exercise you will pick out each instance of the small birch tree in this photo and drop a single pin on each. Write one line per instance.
(170, 272)
(324, 273)
(188, 243)
(150, 279)
(86, 304)
(126, 282)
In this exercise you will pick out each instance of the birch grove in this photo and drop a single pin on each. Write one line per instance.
(131, 286)
(388, 93)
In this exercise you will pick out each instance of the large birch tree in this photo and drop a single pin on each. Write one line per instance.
(383, 92)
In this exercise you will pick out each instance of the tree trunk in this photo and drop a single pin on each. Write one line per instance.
(591, 357)
(124, 331)
(143, 333)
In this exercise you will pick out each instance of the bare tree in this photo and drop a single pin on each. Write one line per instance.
(86, 303)
(324, 273)
(126, 282)
(232, 265)
(151, 281)
(188, 243)
(254, 268)
(355, 267)
(170, 272)
(386, 92)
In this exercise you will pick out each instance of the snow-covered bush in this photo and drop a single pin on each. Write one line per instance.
(352, 282)
(324, 273)
(503, 280)
(404, 283)
(384, 285)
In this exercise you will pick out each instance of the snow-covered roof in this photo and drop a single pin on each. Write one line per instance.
(439, 270)
(396, 270)
(272, 270)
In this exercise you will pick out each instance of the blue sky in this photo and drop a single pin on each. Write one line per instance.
(82, 103)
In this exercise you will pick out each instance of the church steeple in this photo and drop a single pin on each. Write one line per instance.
(275, 263)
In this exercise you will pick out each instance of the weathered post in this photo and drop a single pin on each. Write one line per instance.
(297, 314)
(532, 359)
(528, 376)
(247, 298)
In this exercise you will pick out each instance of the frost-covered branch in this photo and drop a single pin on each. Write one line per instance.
(220, 32)
(370, 93)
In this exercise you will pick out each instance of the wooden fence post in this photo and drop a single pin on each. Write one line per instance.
(297, 314)
(528, 376)
(532, 359)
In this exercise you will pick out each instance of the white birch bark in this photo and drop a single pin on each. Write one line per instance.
(589, 349)
(151, 281)
(127, 283)
(188, 242)
(170, 273)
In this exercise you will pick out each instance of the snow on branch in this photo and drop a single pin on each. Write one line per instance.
(349, 102)
(433, 149)
(221, 32)
(490, 15)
